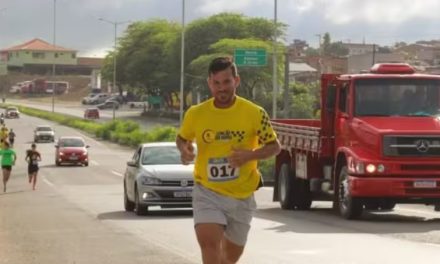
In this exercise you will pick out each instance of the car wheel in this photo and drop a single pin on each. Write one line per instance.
(57, 163)
(86, 164)
(140, 208)
(128, 205)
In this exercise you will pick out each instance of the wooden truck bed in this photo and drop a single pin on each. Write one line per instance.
(299, 134)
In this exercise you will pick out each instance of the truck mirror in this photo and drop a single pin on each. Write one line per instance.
(331, 98)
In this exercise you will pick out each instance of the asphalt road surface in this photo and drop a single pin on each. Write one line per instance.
(77, 110)
(76, 216)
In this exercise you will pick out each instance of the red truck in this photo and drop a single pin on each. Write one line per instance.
(376, 144)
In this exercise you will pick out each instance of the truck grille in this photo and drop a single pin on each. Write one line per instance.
(411, 146)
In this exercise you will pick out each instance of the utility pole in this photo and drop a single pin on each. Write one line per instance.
(286, 86)
(274, 68)
(54, 47)
(115, 24)
(182, 64)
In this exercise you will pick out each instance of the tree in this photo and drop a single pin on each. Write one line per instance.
(252, 78)
(143, 59)
(326, 44)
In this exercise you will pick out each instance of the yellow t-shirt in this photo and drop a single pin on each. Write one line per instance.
(216, 131)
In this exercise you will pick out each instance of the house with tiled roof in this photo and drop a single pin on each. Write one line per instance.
(37, 52)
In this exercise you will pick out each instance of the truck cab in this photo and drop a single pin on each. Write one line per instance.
(377, 143)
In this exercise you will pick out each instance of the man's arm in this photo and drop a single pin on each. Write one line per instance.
(241, 156)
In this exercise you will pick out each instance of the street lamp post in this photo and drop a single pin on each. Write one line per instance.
(115, 24)
(274, 61)
(182, 63)
(54, 43)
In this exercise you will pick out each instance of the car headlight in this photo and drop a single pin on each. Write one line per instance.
(84, 153)
(150, 181)
(61, 153)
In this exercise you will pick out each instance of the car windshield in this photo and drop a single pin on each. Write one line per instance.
(397, 97)
(71, 142)
(44, 129)
(161, 155)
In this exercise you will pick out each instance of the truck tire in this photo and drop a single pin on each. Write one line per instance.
(285, 187)
(349, 207)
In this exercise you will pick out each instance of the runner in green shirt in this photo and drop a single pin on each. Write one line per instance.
(8, 160)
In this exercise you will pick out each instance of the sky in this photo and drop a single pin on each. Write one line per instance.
(78, 27)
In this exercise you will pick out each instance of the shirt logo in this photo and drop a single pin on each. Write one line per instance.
(208, 136)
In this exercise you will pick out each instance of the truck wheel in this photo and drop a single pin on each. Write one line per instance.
(285, 187)
(349, 207)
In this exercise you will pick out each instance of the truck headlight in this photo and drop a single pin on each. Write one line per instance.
(371, 168)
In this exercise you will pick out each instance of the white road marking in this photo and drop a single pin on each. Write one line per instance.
(48, 182)
(117, 173)
(94, 162)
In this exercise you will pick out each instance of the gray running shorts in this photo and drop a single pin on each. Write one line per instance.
(234, 214)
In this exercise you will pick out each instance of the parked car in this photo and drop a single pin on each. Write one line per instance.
(91, 113)
(12, 112)
(109, 104)
(141, 104)
(71, 150)
(96, 98)
(155, 176)
(44, 133)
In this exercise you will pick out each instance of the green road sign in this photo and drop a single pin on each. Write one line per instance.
(250, 57)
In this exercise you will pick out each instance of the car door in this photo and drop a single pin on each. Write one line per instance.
(131, 172)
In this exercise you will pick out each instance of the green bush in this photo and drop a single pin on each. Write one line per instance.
(266, 168)
(124, 132)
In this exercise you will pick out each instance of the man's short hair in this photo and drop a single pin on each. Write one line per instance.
(222, 63)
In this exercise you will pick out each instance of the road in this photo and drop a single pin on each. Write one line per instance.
(77, 110)
(76, 216)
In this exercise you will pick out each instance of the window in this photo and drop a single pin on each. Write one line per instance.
(161, 155)
(38, 55)
(56, 55)
(73, 55)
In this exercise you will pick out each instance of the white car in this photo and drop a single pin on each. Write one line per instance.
(44, 133)
(155, 176)
(138, 104)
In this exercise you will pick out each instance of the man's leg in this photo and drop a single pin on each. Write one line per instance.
(210, 238)
(231, 252)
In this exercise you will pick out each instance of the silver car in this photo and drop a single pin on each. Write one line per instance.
(44, 133)
(156, 177)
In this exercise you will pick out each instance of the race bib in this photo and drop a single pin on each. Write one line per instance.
(220, 170)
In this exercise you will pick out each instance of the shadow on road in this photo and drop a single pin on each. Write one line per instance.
(13, 192)
(325, 220)
(154, 214)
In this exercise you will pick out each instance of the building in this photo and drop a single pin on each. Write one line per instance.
(38, 57)
(302, 72)
(363, 62)
(358, 48)
(37, 53)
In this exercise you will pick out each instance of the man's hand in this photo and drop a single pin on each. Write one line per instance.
(187, 153)
(239, 157)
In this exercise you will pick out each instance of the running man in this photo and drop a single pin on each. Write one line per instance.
(231, 134)
(32, 158)
(11, 137)
(8, 160)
